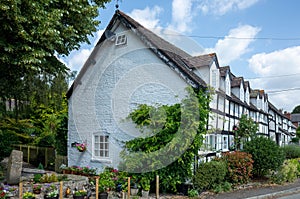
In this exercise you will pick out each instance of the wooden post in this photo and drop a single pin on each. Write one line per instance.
(157, 187)
(21, 190)
(28, 154)
(97, 187)
(61, 188)
(128, 187)
(46, 157)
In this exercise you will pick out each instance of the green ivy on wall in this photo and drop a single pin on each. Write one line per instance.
(175, 134)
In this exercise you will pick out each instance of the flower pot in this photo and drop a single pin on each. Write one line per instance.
(78, 197)
(36, 191)
(103, 195)
(134, 191)
(49, 197)
(145, 194)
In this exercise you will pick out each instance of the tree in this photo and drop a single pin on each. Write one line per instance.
(246, 128)
(34, 32)
(266, 154)
(296, 109)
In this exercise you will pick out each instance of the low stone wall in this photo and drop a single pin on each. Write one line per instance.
(73, 182)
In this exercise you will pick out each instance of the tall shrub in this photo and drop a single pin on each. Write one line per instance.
(239, 165)
(267, 155)
(292, 151)
(209, 175)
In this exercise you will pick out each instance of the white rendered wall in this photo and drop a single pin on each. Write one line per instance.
(123, 77)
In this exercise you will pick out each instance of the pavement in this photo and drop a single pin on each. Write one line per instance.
(260, 192)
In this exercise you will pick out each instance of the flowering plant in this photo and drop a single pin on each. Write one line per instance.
(80, 193)
(37, 187)
(51, 191)
(28, 195)
(3, 194)
(81, 146)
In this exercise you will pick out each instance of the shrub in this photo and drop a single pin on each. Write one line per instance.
(210, 174)
(239, 165)
(292, 151)
(224, 187)
(192, 193)
(267, 155)
(288, 172)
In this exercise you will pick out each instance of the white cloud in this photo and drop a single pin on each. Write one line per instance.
(181, 15)
(77, 58)
(281, 71)
(233, 46)
(221, 7)
(148, 17)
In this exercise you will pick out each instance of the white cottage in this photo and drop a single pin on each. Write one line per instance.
(129, 66)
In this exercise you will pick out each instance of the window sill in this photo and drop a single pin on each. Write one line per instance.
(101, 160)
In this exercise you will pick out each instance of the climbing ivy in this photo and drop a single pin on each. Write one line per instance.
(176, 136)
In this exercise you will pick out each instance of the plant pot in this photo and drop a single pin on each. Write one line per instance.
(49, 197)
(145, 194)
(37, 191)
(78, 197)
(134, 191)
(103, 195)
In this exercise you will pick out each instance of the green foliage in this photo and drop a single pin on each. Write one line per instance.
(246, 128)
(209, 175)
(37, 177)
(47, 178)
(288, 172)
(267, 155)
(106, 182)
(239, 165)
(291, 151)
(7, 138)
(176, 136)
(192, 193)
(296, 109)
(223, 187)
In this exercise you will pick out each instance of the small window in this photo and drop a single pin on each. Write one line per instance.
(121, 40)
(101, 149)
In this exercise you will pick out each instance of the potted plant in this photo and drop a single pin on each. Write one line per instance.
(51, 192)
(28, 195)
(145, 184)
(79, 194)
(106, 183)
(37, 188)
(3, 194)
(134, 188)
(81, 147)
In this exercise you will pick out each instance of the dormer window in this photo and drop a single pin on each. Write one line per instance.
(215, 78)
(242, 93)
(121, 40)
(247, 99)
(227, 85)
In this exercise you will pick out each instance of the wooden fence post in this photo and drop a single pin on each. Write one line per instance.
(157, 187)
(61, 187)
(21, 190)
(128, 187)
(97, 187)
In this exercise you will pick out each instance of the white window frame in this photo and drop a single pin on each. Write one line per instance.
(101, 147)
(121, 40)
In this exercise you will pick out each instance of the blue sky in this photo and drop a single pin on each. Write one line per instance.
(258, 39)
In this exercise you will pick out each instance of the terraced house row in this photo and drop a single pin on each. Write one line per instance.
(234, 97)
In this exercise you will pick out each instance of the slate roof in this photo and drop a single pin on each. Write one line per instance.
(236, 81)
(295, 117)
(223, 70)
(201, 60)
(170, 54)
